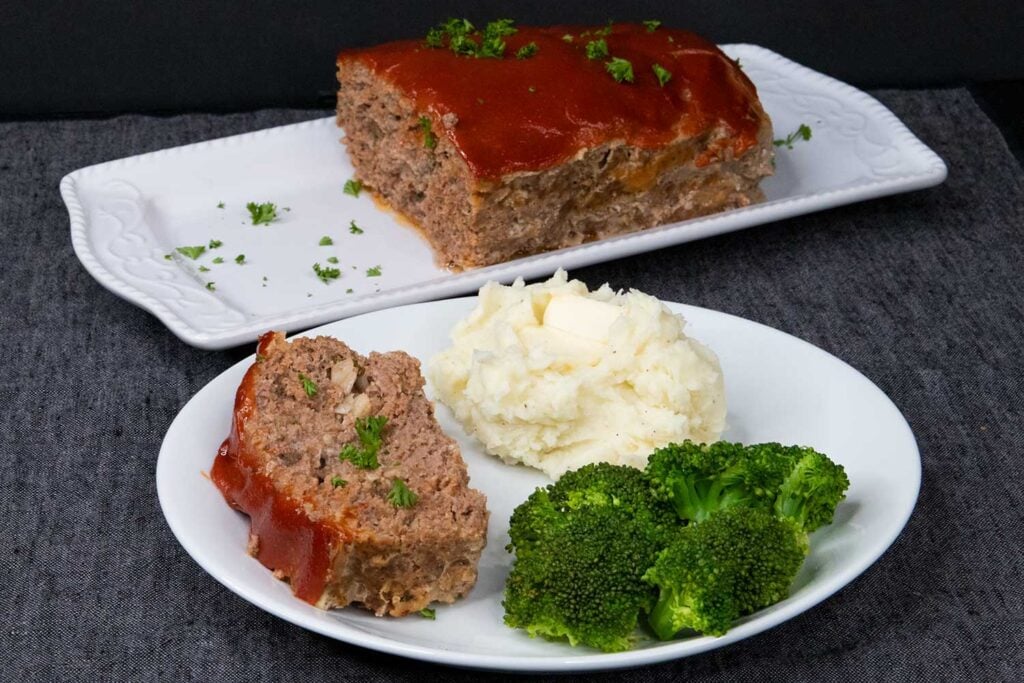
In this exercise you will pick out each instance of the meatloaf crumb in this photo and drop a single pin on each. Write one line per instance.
(295, 412)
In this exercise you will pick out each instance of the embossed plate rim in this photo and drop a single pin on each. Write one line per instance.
(209, 336)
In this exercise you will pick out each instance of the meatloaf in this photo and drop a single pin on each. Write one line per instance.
(354, 494)
(551, 141)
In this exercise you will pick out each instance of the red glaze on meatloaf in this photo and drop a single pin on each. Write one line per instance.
(326, 526)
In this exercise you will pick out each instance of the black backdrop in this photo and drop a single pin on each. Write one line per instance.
(94, 56)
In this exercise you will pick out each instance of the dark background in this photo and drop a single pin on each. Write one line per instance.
(91, 56)
(99, 58)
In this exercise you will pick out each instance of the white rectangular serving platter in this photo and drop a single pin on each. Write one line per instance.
(126, 215)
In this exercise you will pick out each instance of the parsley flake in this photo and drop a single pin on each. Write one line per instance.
(373, 272)
(527, 51)
(220, 205)
(428, 613)
(326, 274)
(353, 187)
(214, 244)
(429, 139)
(332, 259)
(326, 241)
(597, 49)
(262, 214)
(663, 75)
(348, 291)
(801, 133)
(337, 481)
(401, 496)
(219, 260)
(191, 252)
(308, 385)
(606, 31)
(211, 286)
(435, 38)
(204, 269)
(567, 38)
(620, 69)
(168, 257)
(368, 431)
(651, 25)
(240, 259)
(354, 229)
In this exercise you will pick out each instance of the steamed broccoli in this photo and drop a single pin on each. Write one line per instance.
(734, 563)
(795, 482)
(582, 546)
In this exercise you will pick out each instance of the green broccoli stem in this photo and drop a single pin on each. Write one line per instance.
(668, 615)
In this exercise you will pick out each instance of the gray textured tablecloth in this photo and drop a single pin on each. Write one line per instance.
(924, 293)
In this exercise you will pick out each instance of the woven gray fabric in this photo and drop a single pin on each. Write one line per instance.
(924, 293)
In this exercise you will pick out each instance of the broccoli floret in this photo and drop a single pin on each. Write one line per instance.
(812, 490)
(736, 562)
(701, 479)
(582, 546)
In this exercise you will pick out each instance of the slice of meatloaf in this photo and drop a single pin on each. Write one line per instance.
(497, 158)
(327, 511)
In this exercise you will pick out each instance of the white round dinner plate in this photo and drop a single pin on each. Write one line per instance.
(778, 388)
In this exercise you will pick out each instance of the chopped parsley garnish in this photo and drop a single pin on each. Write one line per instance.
(332, 259)
(326, 274)
(663, 74)
(214, 244)
(211, 286)
(401, 496)
(597, 49)
(373, 272)
(738, 64)
(606, 31)
(801, 133)
(308, 385)
(326, 241)
(168, 257)
(368, 430)
(428, 613)
(620, 69)
(240, 259)
(429, 139)
(354, 229)
(191, 252)
(435, 37)
(348, 291)
(527, 51)
(465, 39)
(204, 269)
(353, 187)
(567, 38)
(220, 205)
(262, 214)
(651, 25)
(337, 481)
(219, 260)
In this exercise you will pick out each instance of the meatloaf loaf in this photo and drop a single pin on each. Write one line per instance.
(552, 137)
(354, 494)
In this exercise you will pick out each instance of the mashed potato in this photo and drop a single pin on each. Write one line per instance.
(555, 377)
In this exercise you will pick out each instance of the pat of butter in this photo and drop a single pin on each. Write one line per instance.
(581, 317)
(559, 343)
